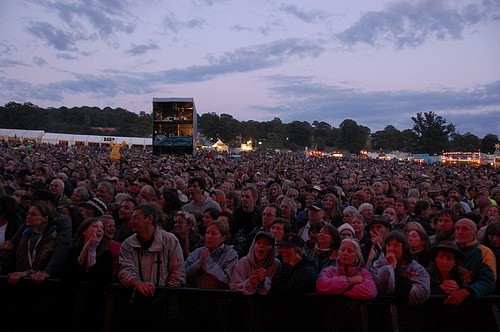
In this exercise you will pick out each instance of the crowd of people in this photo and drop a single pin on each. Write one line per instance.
(268, 223)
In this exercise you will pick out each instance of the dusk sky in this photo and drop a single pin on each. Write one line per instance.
(376, 62)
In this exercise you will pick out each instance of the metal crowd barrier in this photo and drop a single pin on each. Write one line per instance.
(56, 306)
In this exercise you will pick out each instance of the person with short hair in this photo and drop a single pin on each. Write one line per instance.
(150, 257)
(198, 201)
(57, 188)
(479, 261)
(247, 216)
(211, 266)
(279, 227)
(106, 192)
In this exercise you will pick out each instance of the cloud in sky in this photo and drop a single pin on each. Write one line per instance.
(39, 61)
(306, 16)
(410, 24)
(258, 60)
(102, 18)
(136, 50)
(172, 24)
(301, 98)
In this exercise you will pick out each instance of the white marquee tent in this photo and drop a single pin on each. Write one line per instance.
(40, 136)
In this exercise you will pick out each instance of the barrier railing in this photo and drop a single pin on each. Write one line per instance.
(56, 306)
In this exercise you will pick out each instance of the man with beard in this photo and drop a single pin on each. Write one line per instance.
(445, 228)
(123, 228)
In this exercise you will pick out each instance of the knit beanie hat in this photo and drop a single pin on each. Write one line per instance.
(99, 206)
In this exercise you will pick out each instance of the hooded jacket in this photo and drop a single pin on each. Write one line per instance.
(246, 267)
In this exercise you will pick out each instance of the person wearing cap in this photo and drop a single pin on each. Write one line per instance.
(378, 227)
(316, 191)
(253, 273)
(34, 186)
(315, 214)
(346, 231)
(94, 208)
(446, 261)
(297, 273)
(23, 177)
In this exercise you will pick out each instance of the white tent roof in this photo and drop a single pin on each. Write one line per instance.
(22, 133)
(55, 138)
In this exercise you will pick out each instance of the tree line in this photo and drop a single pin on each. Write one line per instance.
(430, 133)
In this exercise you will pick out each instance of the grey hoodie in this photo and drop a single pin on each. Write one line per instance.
(246, 267)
